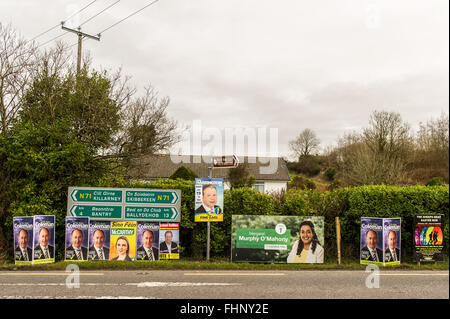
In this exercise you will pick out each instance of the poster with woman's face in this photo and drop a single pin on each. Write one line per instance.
(123, 240)
(44, 239)
(23, 240)
(278, 239)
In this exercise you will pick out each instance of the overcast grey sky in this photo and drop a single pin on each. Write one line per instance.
(287, 64)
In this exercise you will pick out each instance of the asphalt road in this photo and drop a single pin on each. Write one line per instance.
(168, 284)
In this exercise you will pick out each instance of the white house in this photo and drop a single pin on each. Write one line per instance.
(271, 173)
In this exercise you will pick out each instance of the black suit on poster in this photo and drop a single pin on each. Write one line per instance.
(388, 257)
(93, 255)
(39, 253)
(366, 255)
(70, 251)
(18, 252)
(164, 249)
(141, 252)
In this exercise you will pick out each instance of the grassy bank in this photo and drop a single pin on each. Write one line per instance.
(214, 264)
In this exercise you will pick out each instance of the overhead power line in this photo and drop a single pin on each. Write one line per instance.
(54, 27)
(96, 15)
(148, 5)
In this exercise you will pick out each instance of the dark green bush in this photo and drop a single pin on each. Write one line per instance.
(184, 172)
(435, 181)
(301, 182)
(330, 173)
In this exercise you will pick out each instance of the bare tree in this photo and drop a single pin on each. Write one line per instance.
(146, 128)
(17, 57)
(305, 144)
(378, 155)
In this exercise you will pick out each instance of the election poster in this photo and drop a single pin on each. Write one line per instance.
(429, 237)
(147, 241)
(392, 241)
(208, 200)
(123, 240)
(277, 239)
(380, 241)
(371, 250)
(77, 238)
(169, 240)
(43, 239)
(23, 240)
(99, 239)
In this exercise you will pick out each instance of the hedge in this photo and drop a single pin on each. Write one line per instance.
(349, 204)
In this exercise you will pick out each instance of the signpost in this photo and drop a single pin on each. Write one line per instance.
(228, 161)
(158, 205)
(225, 161)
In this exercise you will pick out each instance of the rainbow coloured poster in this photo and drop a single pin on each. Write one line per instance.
(429, 237)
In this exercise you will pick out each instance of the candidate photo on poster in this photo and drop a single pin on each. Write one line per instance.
(208, 199)
(23, 240)
(77, 238)
(44, 239)
(371, 240)
(147, 241)
(122, 247)
(169, 239)
(392, 240)
(123, 240)
(99, 239)
(307, 248)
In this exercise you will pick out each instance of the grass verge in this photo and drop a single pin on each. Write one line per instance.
(213, 264)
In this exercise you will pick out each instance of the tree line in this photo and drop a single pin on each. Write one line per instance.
(60, 127)
(387, 151)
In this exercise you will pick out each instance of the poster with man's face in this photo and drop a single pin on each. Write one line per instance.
(169, 239)
(392, 246)
(208, 200)
(147, 241)
(44, 239)
(99, 239)
(23, 240)
(77, 238)
(371, 250)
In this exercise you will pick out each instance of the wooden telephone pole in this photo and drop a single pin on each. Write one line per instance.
(80, 41)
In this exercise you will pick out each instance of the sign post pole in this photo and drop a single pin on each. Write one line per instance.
(338, 235)
(208, 223)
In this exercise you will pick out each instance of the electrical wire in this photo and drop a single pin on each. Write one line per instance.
(82, 9)
(96, 15)
(153, 2)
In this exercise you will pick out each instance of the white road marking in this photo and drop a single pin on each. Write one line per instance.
(76, 297)
(137, 284)
(180, 284)
(232, 274)
(19, 273)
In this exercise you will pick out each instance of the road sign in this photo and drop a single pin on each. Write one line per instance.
(99, 203)
(96, 195)
(224, 161)
(97, 212)
(151, 213)
(151, 197)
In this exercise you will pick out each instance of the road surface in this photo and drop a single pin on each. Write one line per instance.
(169, 284)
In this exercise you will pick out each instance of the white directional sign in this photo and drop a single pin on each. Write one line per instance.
(163, 205)
(225, 161)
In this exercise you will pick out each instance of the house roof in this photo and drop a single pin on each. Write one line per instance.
(164, 165)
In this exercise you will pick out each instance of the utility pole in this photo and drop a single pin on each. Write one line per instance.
(80, 41)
